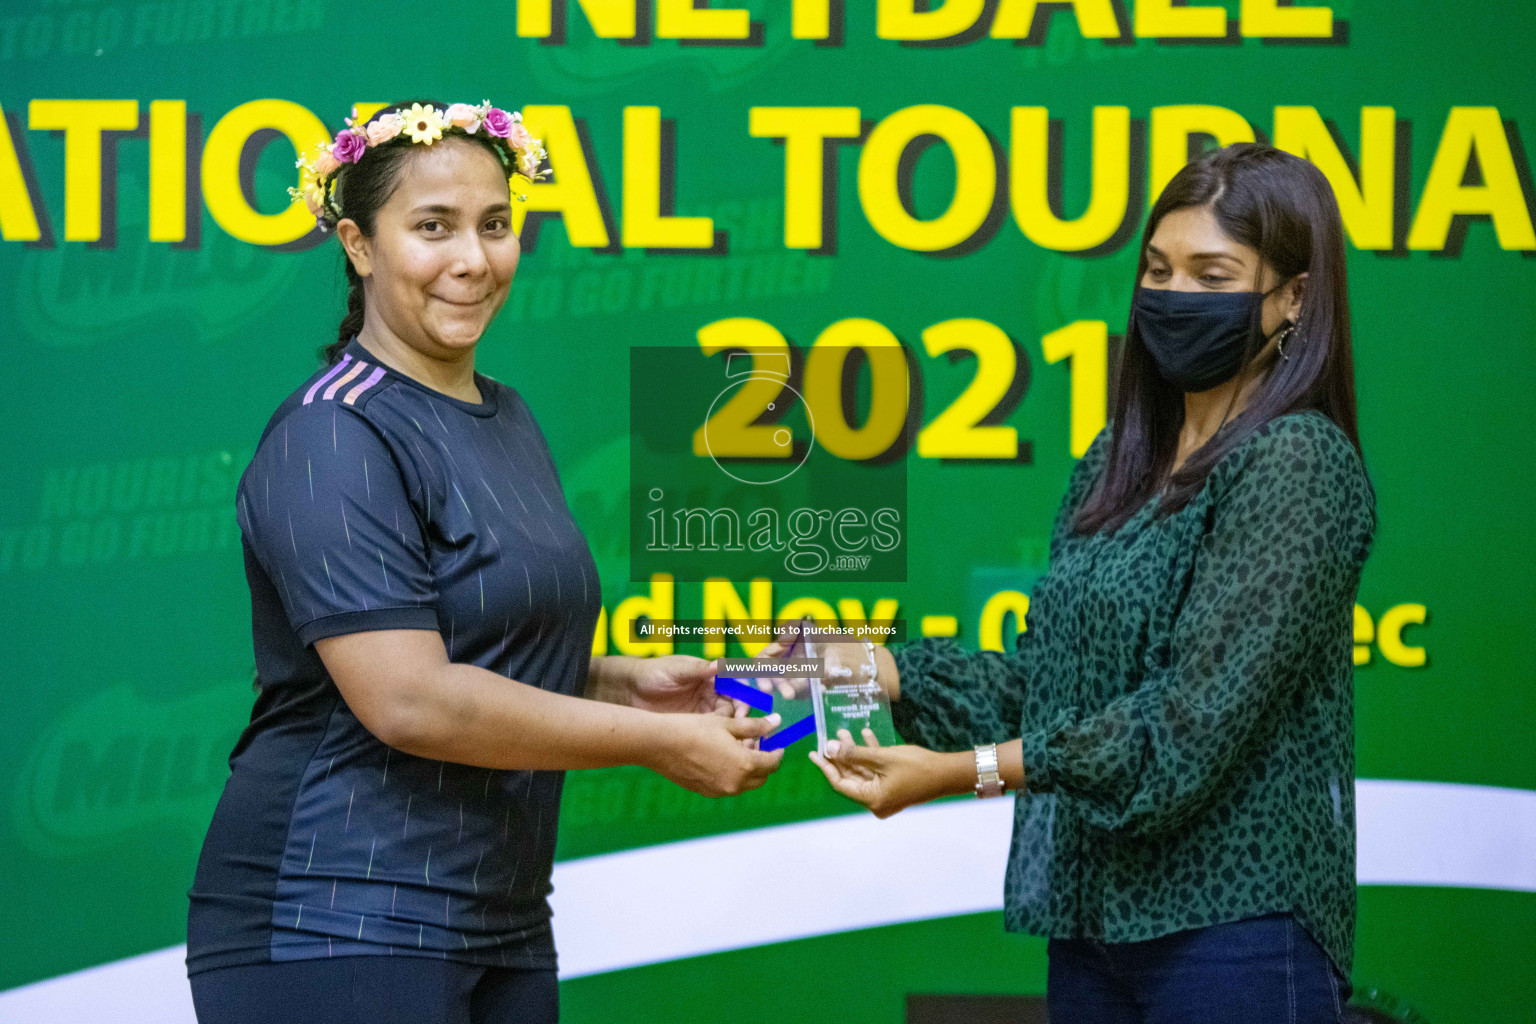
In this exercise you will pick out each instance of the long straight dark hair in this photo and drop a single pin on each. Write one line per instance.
(1282, 207)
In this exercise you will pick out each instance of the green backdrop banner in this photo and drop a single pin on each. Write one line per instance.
(967, 179)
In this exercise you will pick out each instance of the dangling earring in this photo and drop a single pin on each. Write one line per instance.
(1280, 341)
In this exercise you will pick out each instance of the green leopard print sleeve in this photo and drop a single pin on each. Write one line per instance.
(1290, 523)
(953, 699)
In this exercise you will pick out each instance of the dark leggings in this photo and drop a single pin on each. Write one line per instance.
(375, 990)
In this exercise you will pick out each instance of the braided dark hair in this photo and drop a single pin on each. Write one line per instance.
(361, 189)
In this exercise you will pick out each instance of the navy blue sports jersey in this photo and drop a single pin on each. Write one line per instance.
(374, 502)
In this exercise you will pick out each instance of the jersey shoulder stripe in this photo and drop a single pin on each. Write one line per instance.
(339, 376)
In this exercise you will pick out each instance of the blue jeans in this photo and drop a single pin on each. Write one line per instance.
(1264, 970)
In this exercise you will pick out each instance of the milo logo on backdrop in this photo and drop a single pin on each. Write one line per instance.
(118, 763)
(77, 295)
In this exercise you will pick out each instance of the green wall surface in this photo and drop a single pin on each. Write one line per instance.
(143, 356)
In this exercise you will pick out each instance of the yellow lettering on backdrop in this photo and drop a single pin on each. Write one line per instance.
(810, 19)
(804, 131)
(889, 388)
(1160, 19)
(975, 178)
(938, 625)
(167, 171)
(367, 110)
(680, 19)
(1267, 18)
(1468, 131)
(900, 19)
(82, 122)
(958, 432)
(656, 606)
(1366, 205)
(1365, 633)
(723, 604)
(221, 170)
(600, 633)
(1389, 635)
(570, 193)
(644, 225)
(1171, 128)
(18, 220)
(1086, 344)
(1095, 18)
(725, 434)
(610, 19)
(990, 631)
(1029, 159)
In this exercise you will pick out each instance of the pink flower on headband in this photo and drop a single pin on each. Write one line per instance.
(383, 128)
(462, 115)
(349, 147)
(519, 137)
(498, 122)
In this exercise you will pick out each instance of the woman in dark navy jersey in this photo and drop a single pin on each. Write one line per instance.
(422, 610)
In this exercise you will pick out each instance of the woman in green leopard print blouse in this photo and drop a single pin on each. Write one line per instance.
(1177, 718)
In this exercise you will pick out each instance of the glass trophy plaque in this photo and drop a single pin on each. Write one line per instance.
(847, 694)
(824, 682)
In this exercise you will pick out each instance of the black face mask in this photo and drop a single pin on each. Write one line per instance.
(1197, 339)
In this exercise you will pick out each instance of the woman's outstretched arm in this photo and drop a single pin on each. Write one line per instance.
(403, 689)
(952, 699)
(1270, 598)
(328, 518)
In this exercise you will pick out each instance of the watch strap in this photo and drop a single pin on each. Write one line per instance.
(988, 781)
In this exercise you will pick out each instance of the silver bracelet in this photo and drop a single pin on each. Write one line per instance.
(988, 781)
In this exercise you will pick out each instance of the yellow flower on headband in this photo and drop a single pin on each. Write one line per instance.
(423, 124)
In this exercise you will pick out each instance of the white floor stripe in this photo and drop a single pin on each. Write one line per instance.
(767, 885)
(773, 884)
(147, 989)
(1432, 833)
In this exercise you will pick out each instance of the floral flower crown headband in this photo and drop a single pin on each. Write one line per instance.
(424, 125)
